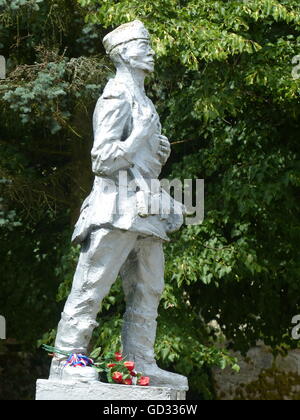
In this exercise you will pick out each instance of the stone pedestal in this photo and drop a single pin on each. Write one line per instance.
(67, 390)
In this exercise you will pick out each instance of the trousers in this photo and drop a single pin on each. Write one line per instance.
(140, 262)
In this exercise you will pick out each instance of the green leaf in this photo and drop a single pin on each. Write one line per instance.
(95, 353)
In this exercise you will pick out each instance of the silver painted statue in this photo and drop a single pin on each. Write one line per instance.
(117, 234)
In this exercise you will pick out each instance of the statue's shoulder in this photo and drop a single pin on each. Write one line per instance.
(115, 89)
(115, 96)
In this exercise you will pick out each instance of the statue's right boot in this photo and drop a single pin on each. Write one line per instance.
(57, 366)
(60, 372)
(71, 330)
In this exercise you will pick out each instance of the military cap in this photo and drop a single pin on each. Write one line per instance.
(124, 33)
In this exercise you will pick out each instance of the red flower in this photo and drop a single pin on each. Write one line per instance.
(133, 373)
(118, 356)
(117, 377)
(129, 365)
(111, 365)
(144, 381)
(127, 382)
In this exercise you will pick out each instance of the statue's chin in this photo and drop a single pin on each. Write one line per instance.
(147, 68)
(148, 71)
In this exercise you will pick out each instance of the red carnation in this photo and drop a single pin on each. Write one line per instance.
(127, 382)
(129, 365)
(118, 356)
(144, 381)
(111, 365)
(117, 377)
(133, 373)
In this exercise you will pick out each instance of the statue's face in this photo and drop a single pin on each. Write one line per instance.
(139, 54)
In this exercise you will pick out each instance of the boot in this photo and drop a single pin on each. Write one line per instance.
(56, 368)
(138, 341)
(72, 332)
(60, 372)
(160, 377)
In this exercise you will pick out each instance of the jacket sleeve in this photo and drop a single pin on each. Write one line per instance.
(109, 152)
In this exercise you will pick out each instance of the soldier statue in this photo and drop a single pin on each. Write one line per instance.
(116, 233)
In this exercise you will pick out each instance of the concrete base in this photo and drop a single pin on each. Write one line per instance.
(61, 390)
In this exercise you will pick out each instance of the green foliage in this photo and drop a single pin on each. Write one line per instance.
(42, 138)
(45, 97)
(18, 4)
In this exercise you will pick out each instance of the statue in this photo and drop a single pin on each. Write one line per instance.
(115, 234)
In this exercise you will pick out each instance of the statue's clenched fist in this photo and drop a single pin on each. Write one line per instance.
(164, 149)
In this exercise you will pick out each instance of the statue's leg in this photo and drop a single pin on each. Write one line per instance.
(143, 283)
(99, 264)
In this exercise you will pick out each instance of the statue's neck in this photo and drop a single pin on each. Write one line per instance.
(133, 78)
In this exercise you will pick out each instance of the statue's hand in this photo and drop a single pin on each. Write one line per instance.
(164, 149)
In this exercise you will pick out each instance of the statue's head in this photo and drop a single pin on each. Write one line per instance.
(130, 44)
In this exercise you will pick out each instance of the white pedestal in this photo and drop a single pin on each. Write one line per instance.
(67, 390)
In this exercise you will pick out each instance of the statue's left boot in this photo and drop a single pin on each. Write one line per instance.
(138, 341)
(160, 377)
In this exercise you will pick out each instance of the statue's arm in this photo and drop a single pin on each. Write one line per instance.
(109, 153)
